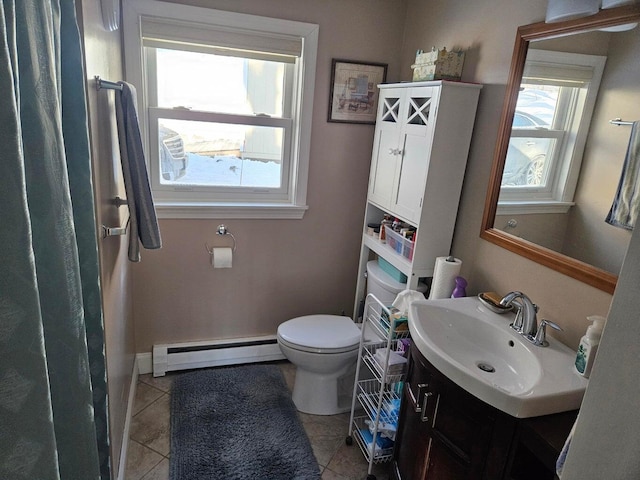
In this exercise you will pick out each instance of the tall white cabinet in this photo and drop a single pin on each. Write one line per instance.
(422, 136)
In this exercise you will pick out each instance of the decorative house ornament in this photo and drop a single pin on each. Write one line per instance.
(438, 65)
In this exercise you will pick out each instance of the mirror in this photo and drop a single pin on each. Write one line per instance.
(558, 159)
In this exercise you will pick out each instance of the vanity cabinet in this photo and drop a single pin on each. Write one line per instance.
(446, 433)
(421, 143)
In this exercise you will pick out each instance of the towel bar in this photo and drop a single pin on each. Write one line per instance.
(115, 231)
(619, 121)
(106, 84)
(118, 202)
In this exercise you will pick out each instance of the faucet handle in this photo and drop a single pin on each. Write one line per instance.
(540, 338)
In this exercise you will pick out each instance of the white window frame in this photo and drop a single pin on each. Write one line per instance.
(570, 132)
(289, 202)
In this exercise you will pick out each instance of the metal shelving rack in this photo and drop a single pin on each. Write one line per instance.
(372, 395)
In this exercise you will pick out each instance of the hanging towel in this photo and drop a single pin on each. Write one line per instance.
(565, 449)
(626, 203)
(143, 223)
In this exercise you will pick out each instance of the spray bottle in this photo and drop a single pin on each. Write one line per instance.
(589, 345)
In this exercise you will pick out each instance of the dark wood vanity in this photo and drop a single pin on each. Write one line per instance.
(445, 433)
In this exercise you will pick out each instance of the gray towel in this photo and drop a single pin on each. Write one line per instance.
(143, 223)
(626, 203)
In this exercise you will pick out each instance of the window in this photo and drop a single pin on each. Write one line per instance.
(550, 124)
(225, 106)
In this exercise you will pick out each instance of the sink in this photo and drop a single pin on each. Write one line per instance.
(476, 349)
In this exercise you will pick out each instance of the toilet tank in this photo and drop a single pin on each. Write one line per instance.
(381, 284)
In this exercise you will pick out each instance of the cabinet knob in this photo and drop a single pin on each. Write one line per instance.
(393, 151)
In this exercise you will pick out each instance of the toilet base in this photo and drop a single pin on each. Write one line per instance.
(318, 394)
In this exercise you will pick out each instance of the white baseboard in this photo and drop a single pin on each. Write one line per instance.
(122, 468)
(145, 363)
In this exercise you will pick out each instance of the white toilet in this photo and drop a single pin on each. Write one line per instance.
(324, 348)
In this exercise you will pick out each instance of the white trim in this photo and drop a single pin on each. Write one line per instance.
(124, 447)
(524, 208)
(210, 210)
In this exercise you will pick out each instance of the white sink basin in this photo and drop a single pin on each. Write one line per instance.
(477, 350)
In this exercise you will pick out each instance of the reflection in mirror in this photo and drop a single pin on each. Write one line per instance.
(559, 159)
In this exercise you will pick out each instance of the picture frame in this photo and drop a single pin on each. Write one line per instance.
(354, 94)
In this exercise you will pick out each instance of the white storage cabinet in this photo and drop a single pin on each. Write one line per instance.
(422, 137)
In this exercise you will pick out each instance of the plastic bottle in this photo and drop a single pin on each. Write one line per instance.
(589, 345)
(460, 289)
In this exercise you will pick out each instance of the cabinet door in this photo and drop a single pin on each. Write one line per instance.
(384, 165)
(442, 464)
(412, 443)
(415, 144)
(385, 158)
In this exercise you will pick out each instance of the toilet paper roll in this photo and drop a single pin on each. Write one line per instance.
(444, 277)
(222, 257)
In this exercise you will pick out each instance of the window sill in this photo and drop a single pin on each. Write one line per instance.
(266, 211)
(528, 207)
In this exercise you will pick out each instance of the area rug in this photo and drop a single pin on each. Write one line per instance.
(237, 423)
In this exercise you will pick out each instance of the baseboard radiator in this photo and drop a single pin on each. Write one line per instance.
(183, 356)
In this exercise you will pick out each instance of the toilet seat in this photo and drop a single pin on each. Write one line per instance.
(320, 334)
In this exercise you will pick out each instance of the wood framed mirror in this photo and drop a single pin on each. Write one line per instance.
(536, 37)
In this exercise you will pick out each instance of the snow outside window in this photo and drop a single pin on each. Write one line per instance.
(550, 124)
(225, 107)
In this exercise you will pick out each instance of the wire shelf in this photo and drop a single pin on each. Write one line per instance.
(369, 394)
(374, 365)
(378, 317)
(372, 455)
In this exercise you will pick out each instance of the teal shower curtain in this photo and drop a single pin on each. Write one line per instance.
(53, 401)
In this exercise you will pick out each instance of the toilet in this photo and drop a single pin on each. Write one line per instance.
(324, 349)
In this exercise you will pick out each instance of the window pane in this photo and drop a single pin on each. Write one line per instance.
(219, 154)
(219, 83)
(536, 106)
(528, 162)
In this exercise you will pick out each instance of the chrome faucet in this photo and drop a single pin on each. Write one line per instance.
(526, 321)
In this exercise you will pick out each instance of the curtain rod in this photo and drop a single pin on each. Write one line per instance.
(106, 84)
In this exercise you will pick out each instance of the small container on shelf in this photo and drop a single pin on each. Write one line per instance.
(401, 245)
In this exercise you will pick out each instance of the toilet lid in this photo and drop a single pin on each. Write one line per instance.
(320, 331)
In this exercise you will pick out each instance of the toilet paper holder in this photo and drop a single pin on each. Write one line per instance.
(222, 230)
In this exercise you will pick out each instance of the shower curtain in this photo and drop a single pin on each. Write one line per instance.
(53, 416)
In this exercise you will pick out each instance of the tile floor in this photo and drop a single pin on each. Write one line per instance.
(149, 451)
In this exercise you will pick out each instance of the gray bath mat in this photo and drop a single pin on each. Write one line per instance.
(237, 423)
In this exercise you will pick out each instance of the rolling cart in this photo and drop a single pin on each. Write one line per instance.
(376, 401)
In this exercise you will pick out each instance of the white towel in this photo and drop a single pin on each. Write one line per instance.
(405, 298)
(143, 223)
(626, 203)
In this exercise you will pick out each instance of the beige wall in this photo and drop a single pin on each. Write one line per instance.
(282, 268)
(103, 58)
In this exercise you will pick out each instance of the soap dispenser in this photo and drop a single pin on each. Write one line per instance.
(589, 345)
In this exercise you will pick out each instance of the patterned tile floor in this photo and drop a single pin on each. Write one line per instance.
(149, 451)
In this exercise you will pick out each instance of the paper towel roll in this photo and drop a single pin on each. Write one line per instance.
(222, 257)
(444, 277)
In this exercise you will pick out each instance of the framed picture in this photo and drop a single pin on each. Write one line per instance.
(354, 91)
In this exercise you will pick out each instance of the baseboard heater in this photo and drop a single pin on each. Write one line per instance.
(183, 356)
